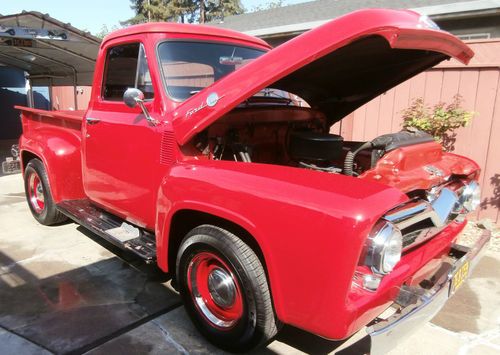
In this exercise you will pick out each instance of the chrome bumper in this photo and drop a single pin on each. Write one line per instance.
(417, 305)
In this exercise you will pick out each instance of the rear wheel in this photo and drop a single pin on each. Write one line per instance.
(38, 195)
(225, 290)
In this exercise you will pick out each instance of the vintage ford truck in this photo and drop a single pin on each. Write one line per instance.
(209, 153)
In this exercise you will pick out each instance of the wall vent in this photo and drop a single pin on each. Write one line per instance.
(167, 152)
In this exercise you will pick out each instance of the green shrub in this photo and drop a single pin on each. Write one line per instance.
(440, 120)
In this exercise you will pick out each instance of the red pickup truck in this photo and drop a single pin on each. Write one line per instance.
(209, 153)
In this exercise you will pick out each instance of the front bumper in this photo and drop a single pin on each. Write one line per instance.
(418, 305)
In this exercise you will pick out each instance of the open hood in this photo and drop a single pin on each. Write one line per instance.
(336, 67)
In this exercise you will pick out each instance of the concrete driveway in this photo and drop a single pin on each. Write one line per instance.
(64, 290)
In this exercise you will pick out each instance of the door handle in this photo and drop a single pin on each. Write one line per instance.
(91, 120)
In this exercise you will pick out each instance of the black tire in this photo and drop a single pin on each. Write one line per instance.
(257, 323)
(44, 212)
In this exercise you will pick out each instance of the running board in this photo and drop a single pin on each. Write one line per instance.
(114, 229)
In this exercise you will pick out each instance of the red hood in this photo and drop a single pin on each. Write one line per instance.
(336, 67)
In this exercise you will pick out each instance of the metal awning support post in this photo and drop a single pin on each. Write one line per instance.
(29, 92)
(50, 94)
(75, 89)
(57, 62)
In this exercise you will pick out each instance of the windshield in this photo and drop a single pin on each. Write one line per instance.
(188, 67)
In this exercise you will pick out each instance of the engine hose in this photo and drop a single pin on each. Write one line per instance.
(349, 163)
(349, 158)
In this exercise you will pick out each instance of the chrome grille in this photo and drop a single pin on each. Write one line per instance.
(420, 220)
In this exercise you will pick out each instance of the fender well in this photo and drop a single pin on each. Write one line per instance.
(185, 220)
(26, 156)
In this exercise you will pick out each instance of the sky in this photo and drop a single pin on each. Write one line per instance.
(91, 15)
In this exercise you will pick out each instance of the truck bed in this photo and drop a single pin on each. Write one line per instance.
(67, 115)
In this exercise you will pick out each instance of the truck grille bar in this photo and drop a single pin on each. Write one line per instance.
(420, 220)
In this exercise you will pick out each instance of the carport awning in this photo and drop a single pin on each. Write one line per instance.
(50, 51)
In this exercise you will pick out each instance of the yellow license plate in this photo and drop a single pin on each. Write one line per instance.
(459, 277)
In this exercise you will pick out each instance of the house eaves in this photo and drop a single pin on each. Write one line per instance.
(450, 10)
(461, 9)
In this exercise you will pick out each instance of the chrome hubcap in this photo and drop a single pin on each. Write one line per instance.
(214, 290)
(221, 287)
(35, 191)
(39, 192)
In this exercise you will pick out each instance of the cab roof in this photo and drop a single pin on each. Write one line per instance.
(169, 27)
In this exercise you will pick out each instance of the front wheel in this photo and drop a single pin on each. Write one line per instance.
(225, 290)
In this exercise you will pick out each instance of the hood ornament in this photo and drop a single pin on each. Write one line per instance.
(212, 99)
(434, 171)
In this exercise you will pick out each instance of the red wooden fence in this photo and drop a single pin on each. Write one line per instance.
(478, 84)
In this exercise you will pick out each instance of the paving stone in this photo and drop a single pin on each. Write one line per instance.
(172, 333)
(14, 344)
(483, 350)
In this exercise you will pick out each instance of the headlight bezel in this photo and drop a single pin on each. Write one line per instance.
(471, 196)
(384, 238)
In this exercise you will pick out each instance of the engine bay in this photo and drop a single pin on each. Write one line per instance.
(294, 136)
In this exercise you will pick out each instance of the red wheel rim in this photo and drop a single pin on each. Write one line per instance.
(215, 290)
(35, 193)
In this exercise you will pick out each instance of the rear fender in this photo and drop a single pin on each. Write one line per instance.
(59, 150)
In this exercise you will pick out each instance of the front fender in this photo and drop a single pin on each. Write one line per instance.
(310, 226)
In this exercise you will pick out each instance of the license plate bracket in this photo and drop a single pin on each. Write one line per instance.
(459, 276)
(11, 166)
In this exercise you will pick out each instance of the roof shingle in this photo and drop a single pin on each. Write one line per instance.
(315, 11)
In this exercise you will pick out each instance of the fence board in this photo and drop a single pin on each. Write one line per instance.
(386, 112)
(358, 129)
(490, 203)
(433, 85)
(481, 126)
(372, 119)
(451, 84)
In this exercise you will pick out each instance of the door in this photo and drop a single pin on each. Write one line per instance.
(120, 147)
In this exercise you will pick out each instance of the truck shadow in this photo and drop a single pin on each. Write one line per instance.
(77, 310)
(312, 344)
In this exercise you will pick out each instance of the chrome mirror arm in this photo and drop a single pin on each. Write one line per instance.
(145, 111)
(133, 97)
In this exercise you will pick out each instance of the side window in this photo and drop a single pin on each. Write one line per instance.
(143, 77)
(126, 67)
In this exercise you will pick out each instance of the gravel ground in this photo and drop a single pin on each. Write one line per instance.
(474, 229)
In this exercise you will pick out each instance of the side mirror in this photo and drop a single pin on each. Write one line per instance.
(133, 97)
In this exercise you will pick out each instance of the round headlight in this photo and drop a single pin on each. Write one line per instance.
(471, 196)
(385, 246)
